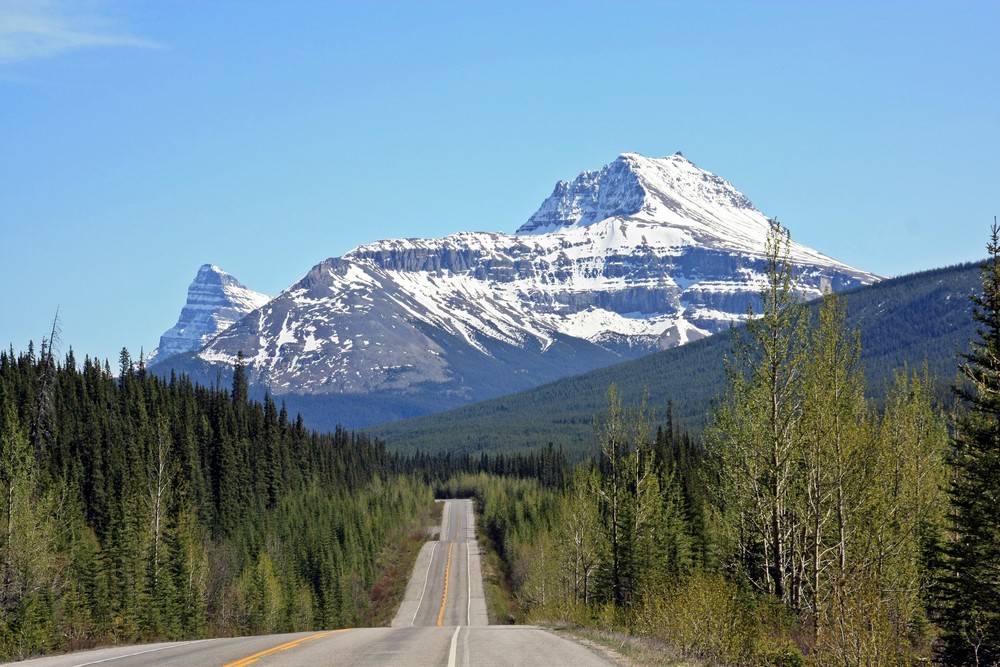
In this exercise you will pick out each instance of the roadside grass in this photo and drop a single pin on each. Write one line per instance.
(395, 564)
(501, 607)
(631, 650)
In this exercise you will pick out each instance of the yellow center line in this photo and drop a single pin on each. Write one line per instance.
(444, 598)
(250, 659)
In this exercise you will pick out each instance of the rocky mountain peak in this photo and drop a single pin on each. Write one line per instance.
(215, 300)
(636, 186)
(614, 190)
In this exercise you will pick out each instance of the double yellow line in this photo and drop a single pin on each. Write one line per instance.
(447, 569)
(250, 659)
(447, 566)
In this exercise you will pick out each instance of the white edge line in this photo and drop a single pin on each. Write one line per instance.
(452, 652)
(468, 577)
(151, 650)
(430, 561)
(468, 563)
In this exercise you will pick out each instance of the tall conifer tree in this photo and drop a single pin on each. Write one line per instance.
(971, 589)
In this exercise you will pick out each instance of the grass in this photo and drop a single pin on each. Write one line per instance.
(631, 650)
(395, 564)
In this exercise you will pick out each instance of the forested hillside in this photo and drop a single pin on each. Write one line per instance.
(136, 509)
(911, 320)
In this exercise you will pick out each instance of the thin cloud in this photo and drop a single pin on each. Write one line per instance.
(34, 30)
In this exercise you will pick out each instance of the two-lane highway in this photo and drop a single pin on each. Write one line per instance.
(446, 588)
(441, 623)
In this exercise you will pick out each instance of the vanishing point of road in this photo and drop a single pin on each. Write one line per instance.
(441, 622)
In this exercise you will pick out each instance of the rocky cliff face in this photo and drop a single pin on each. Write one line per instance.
(613, 191)
(215, 301)
(641, 255)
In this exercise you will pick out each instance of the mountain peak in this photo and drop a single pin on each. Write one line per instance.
(210, 274)
(592, 196)
(215, 301)
(670, 190)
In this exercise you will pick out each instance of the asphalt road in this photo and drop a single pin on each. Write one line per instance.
(442, 622)
(446, 588)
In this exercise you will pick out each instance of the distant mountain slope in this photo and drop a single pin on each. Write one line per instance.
(906, 320)
(643, 255)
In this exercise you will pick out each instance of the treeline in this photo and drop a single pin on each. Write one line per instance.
(547, 465)
(811, 528)
(135, 509)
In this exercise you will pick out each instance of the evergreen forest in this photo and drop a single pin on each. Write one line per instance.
(139, 509)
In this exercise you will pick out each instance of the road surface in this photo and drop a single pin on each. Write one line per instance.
(442, 622)
(446, 588)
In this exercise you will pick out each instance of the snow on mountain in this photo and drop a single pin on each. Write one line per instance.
(642, 255)
(215, 301)
(668, 198)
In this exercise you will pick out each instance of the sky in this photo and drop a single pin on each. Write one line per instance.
(140, 139)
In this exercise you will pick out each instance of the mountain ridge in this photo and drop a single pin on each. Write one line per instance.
(642, 255)
(904, 322)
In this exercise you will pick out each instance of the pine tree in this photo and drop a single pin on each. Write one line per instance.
(240, 392)
(41, 432)
(27, 558)
(619, 438)
(971, 588)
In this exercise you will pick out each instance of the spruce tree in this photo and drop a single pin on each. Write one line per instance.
(970, 601)
(240, 393)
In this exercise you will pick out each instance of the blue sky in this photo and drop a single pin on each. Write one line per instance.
(141, 139)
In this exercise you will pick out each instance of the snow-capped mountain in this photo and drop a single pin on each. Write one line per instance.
(671, 203)
(642, 255)
(215, 301)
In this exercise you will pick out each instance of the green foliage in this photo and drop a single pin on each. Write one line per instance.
(805, 532)
(139, 509)
(910, 320)
(826, 509)
(28, 565)
(757, 431)
(969, 602)
(708, 617)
